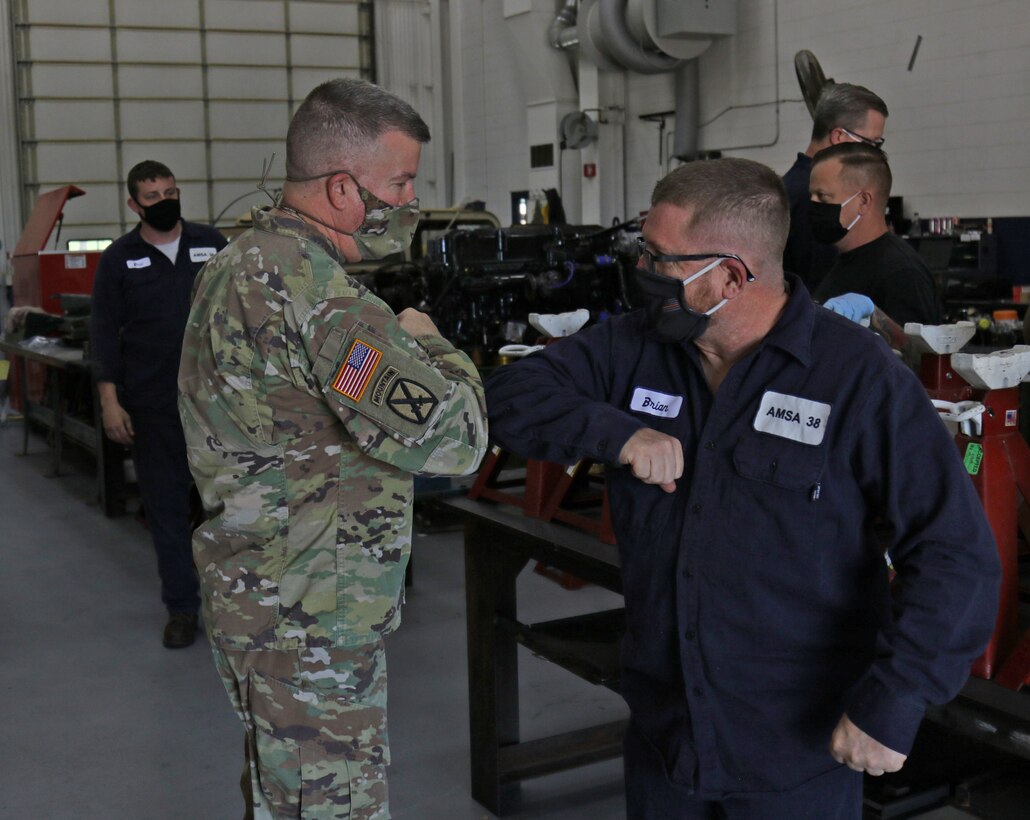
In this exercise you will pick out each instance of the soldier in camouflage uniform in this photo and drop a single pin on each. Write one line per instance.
(307, 406)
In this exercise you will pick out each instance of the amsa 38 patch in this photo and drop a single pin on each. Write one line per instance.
(792, 417)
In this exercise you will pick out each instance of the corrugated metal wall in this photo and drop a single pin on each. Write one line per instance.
(205, 86)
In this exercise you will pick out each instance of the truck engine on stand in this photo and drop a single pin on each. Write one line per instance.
(480, 285)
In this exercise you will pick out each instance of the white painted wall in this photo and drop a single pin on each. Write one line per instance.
(957, 136)
(491, 112)
(414, 72)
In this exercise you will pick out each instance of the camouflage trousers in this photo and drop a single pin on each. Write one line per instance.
(316, 742)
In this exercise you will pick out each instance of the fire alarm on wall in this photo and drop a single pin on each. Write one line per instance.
(589, 170)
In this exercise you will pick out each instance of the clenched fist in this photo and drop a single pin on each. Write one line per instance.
(654, 458)
(857, 750)
(417, 323)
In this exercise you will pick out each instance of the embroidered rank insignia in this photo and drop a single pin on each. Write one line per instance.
(355, 374)
(411, 401)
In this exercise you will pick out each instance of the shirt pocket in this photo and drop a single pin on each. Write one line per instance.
(782, 463)
(781, 496)
(780, 560)
(147, 294)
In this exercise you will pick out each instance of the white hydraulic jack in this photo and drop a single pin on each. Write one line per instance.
(985, 371)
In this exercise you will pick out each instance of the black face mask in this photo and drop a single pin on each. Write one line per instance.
(163, 215)
(824, 219)
(668, 315)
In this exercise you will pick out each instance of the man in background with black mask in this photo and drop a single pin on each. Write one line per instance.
(850, 185)
(141, 297)
(751, 438)
(845, 113)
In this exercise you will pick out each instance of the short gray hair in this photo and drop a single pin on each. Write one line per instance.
(341, 119)
(843, 105)
(738, 202)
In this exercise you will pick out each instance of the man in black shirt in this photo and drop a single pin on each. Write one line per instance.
(141, 297)
(850, 185)
(845, 113)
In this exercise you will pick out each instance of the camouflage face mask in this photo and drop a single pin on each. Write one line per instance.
(386, 229)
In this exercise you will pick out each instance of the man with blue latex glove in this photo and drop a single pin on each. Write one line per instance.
(860, 309)
(853, 306)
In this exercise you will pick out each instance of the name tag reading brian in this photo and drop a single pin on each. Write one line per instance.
(138, 263)
(792, 417)
(656, 404)
(201, 254)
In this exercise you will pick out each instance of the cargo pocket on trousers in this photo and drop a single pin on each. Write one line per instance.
(317, 755)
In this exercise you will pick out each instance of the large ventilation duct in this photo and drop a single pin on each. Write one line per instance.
(588, 33)
(654, 37)
(688, 111)
(626, 49)
(645, 36)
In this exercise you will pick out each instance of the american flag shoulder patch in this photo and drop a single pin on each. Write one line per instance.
(356, 371)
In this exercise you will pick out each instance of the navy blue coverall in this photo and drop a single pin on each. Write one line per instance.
(138, 317)
(757, 602)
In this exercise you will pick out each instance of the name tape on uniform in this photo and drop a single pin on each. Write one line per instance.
(201, 254)
(138, 263)
(656, 404)
(792, 417)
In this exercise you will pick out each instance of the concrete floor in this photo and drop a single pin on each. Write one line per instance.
(100, 721)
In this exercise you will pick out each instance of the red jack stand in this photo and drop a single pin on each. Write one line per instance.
(984, 392)
(535, 485)
(1015, 672)
(998, 461)
(573, 491)
(551, 492)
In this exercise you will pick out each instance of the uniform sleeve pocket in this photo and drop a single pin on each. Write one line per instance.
(393, 388)
(779, 462)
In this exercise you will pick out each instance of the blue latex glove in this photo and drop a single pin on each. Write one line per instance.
(853, 306)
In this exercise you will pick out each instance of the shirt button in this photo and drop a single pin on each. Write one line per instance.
(709, 445)
(698, 691)
(696, 509)
(687, 573)
(602, 445)
(689, 634)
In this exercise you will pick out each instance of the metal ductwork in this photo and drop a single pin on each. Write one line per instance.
(626, 49)
(650, 37)
(548, 85)
(562, 32)
(688, 111)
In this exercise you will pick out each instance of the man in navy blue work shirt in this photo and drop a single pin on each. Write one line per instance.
(753, 439)
(845, 113)
(141, 297)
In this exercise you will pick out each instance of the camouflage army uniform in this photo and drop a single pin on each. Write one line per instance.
(306, 410)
